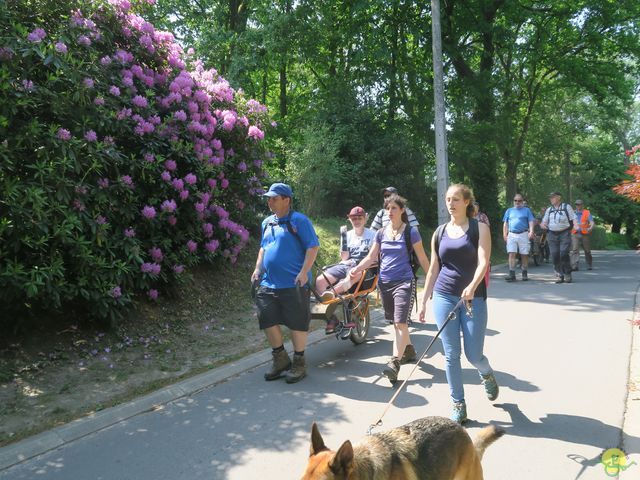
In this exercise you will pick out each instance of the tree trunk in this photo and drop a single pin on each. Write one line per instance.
(566, 175)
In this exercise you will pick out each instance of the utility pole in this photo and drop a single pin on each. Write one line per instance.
(442, 160)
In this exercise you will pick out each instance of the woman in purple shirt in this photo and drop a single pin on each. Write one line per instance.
(396, 280)
(457, 271)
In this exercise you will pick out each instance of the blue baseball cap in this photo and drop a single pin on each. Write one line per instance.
(281, 189)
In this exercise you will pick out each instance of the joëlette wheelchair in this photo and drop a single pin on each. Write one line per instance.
(350, 308)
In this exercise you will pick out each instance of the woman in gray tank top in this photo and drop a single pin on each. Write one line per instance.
(457, 271)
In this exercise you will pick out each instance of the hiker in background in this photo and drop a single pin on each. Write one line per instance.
(479, 215)
(558, 220)
(517, 231)
(396, 280)
(288, 248)
(382, 218)
(462, 248)
(581, 236)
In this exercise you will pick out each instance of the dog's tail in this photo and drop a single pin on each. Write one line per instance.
(486, 437)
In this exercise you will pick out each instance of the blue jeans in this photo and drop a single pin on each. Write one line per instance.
(473, 331)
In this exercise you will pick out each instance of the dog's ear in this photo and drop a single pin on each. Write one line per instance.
(317, 443)
(341, 463)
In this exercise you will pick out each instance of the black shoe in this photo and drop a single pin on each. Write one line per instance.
(589, 267)
(567, 279)
(574, 269)
(511, 277)
(560, 279)
(409, 355)
(525, 277)
(392, 369)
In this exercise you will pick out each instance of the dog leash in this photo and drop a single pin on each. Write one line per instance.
(452, 313)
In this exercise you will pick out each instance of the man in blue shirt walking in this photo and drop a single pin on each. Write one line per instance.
(517, 231)
(288, 248)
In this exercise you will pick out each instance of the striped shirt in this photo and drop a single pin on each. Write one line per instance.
(382, 219)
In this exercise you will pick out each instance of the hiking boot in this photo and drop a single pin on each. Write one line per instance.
(589, 267)
(511, 277)
(525, 276)
(560, 279)
(392, 369)
(332, 323)
(567, 279)
(490, 386)
(298, 369)
(409, 355)
(327, 296)
(281, 363)
(459, 412)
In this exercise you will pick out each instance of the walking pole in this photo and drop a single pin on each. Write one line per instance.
(450, 316)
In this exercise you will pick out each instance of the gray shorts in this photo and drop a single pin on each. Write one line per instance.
(340, 270)
(397, 300)
(284, 306)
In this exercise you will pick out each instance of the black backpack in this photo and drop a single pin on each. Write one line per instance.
(413, 258)
(474, 235)
(563, 208)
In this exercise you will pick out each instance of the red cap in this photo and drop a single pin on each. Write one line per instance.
(356, 212)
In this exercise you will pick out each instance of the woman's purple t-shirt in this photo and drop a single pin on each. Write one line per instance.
(394, 257)
(459, 259)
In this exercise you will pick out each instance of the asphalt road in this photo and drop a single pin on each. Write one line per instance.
(561, 355)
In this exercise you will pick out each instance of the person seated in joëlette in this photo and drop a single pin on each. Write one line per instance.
(354, 246)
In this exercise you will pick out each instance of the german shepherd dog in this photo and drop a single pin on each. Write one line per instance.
(431, 448)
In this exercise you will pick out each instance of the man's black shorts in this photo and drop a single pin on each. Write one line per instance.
(284, 306)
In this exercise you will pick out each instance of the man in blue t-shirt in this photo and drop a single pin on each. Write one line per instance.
(288, 248)
(517, 230)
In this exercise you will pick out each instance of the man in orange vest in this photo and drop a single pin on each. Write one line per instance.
(581, 235)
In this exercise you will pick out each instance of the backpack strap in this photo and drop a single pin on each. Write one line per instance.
(286, 223)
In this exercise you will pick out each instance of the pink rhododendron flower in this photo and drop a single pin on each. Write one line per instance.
(148, 212)
(90, 136)
(98, 101)
(190, 178)
(127, 180)
(184, 194)
(88, 82)
(166, 176)
(64, 134)
(156, 254)
(113, 90)
(140, 101)
(60, 47)
(170, 165)
(255, 133)
(192, 246)
(84, 40)
(169, 206)
(37, 35)
(172, 220)
(153, 294)
(129, 233)
(116, 292)
(178, 269)
(212, 245)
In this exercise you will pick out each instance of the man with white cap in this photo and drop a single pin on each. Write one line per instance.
(288, 248)
(558, 219)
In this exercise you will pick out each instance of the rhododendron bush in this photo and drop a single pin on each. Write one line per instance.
(123, 160)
